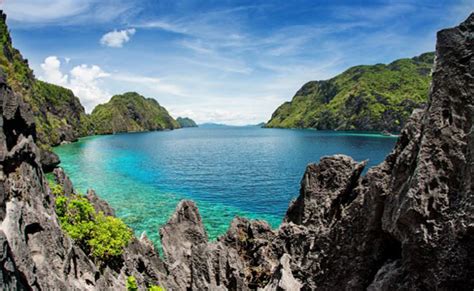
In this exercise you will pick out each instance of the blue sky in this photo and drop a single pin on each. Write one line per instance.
(221, 61)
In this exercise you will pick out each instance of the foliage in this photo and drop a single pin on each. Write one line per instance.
(56, 189)
(109, 236)
(131, 112)
(104, 237)
(374, 97)
(156, 288)
(131, 283)
(58, 113)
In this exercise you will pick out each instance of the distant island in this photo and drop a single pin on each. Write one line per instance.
(213, 125)
(367, 98)
(186, 122)
(59, 115)
(131, 112)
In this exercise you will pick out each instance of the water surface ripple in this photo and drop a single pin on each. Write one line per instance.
(246, 171)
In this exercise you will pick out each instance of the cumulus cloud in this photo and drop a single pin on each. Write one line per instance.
(117, 38)
(51, 71)
(83, 80)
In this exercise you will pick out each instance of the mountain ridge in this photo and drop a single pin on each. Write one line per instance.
(366, 97)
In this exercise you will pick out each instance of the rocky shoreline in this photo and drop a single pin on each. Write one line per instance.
(408, 224)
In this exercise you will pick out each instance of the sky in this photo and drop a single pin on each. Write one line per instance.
(220, 61)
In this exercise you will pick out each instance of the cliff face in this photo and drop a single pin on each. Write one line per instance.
(35, 253)
(131, 112)
(372, 98)
(407, 224)
(58, 114)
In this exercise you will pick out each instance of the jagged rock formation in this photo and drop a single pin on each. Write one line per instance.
(36, 254)
(186, 122)
(131, 112)
(58, 114)
(372, 98)
(408, 224)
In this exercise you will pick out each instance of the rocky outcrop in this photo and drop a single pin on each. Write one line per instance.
(35, 253)
(406, 225)
(131, 112)
(58, 114)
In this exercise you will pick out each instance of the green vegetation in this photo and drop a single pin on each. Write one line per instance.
(378, 97)
(58, 113)
(131, 283)
(104, 237)
(131, 112)
(186, 122)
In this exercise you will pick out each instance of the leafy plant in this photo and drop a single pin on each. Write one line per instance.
(104, 237)
(131, 283)
(109, 236)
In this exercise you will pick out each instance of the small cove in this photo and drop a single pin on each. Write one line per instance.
(228, 171)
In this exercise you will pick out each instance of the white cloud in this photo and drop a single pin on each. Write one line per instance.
(117, 38)
(51, 71)
(83, 80)
(64, 12)
(163, 25)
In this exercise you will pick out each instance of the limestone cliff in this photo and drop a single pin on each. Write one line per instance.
(131, 112)
(58, 114)
(408, 224)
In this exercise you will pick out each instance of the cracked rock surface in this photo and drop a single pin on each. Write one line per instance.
(408, 224)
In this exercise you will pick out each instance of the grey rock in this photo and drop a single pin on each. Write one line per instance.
(99, 204)
(408, 224)
(283, 277)
(183, 231)
(49, 160)
(63, 180)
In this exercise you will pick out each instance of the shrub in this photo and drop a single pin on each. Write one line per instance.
(104, 237)
(56, 189)
(156, 288)
(131, 284)
(109, 236)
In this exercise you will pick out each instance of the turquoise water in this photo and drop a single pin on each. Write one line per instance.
(245, 171)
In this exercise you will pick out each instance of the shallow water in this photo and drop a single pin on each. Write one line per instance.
(245, 171)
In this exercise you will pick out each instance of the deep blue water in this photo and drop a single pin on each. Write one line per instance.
(228, 171)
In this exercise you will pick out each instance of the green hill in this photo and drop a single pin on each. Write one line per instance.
(370, 98)
(131, 112)
(59, 115)
(186, 122)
